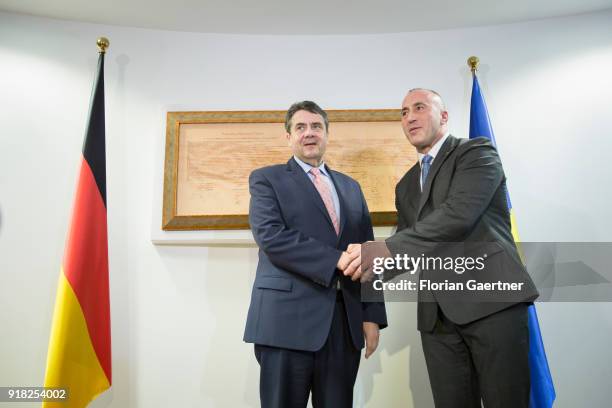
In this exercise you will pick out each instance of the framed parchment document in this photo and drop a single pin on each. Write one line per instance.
(209, 156)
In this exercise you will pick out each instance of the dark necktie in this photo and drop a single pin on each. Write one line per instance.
(425, 165)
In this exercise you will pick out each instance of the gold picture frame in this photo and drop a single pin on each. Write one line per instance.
(209, 155)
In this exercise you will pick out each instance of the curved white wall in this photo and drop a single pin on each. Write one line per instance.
(178, 311)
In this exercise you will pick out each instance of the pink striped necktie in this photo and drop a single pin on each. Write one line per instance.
(326, 196)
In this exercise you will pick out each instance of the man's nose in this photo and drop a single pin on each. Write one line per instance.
(408, 117)
(309, 131)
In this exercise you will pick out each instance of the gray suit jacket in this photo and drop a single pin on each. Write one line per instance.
(294, 293)
(464, 202)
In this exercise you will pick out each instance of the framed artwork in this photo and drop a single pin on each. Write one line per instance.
(209, 156)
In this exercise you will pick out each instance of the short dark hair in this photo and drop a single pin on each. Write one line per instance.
(309, 106)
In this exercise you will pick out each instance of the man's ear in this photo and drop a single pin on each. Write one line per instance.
(444, 115)
(288, 136)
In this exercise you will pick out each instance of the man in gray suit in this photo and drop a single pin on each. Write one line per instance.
(476, 344)
(306, 318)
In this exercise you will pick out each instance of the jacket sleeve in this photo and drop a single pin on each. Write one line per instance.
(478, 175)
(287, 248)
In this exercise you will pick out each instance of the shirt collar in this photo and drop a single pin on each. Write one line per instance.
(434, 149)
(306, 167)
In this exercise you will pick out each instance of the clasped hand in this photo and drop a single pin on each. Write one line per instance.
(357, 263)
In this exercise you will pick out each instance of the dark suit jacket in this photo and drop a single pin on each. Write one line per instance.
(294, 292)
(463, 201)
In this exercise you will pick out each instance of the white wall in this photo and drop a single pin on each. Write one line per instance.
(178, 311)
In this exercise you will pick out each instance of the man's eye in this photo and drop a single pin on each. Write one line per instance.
(317, 126)
(404, 113)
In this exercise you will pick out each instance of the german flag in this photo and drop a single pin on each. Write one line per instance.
(79, 355)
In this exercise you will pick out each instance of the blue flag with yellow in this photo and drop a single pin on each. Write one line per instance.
(542, 389)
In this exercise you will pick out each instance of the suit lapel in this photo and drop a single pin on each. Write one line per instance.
(446, 149)
(409, 194)
(307, 186)
(413, 192)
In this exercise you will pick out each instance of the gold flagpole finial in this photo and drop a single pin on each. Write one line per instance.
(103, 44)
(473, 62)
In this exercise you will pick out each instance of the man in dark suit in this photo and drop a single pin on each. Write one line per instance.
(476, 344)
(306, 318)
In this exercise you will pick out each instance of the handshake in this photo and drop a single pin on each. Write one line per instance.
(357, 260)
